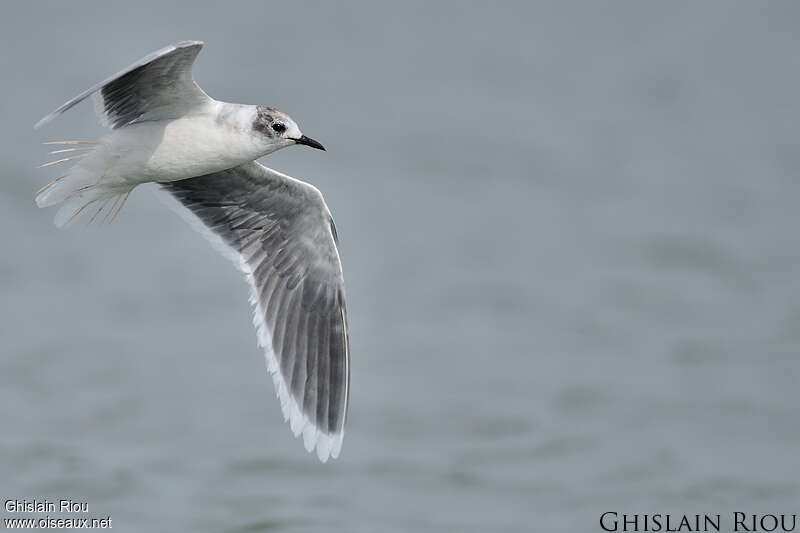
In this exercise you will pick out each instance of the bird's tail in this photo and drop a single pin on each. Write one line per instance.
(84, 188)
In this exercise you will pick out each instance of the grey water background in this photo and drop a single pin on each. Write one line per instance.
(570, 241)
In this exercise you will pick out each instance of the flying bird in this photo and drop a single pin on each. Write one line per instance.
(278, 229)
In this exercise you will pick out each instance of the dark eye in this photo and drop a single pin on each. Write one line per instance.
(279, 127)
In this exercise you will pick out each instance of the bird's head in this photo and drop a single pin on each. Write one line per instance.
(278, 130)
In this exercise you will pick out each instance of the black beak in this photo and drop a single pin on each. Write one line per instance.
(308, 141)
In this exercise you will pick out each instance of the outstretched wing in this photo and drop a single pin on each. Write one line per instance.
(283, 236)
(158, 86)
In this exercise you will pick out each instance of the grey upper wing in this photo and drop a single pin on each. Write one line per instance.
(284, 237)
(158, 86)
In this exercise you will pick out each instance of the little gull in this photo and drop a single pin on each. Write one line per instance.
(202, 152)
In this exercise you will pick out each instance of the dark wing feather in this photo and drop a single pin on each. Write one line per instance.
(281, 230)
(158, 86)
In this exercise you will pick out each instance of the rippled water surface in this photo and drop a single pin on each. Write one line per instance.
(569, 234)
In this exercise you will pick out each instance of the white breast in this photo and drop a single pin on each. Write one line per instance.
(186, 147)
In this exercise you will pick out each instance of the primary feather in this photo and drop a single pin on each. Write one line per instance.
(158, 86)
(279, 230)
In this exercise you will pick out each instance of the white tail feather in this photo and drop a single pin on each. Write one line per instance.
(71, 150)
(64, 160)
(79, 203)
(85, 185)
(40, 191)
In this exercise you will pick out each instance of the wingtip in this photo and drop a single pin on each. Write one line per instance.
(68, 105)
(323, 447)
(337, 444)
(326, 446)
(42, 122)
(184, 44)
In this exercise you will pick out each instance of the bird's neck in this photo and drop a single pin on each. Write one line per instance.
(235, 116)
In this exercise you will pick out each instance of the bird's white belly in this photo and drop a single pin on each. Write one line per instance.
(178, 149)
